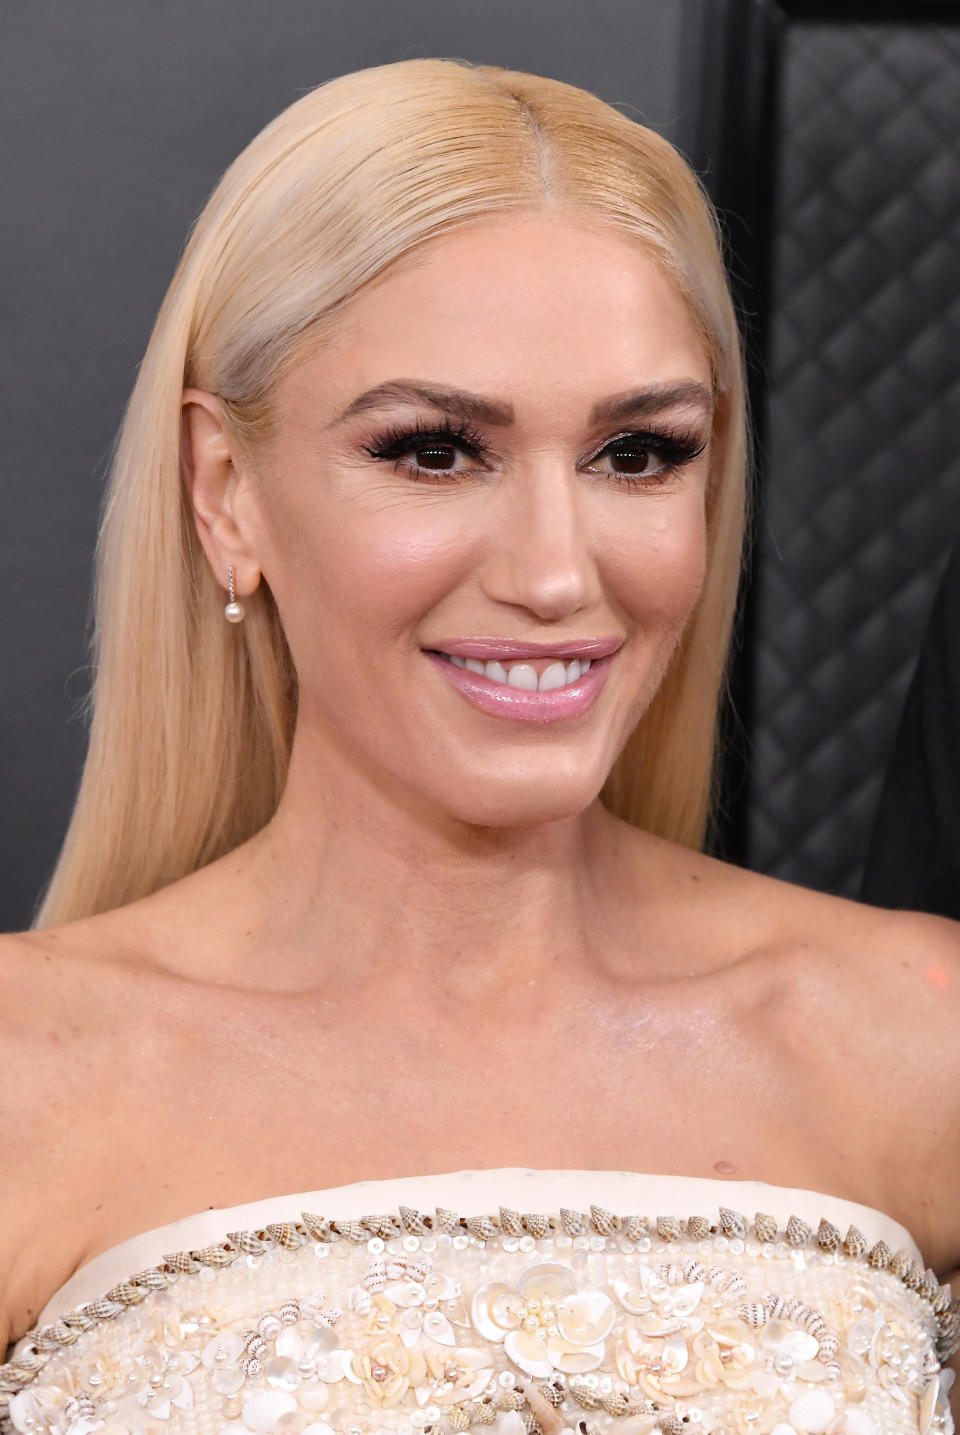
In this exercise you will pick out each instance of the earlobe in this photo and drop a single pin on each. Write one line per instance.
(210, 479)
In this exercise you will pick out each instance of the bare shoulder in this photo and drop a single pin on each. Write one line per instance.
(863, 1004)
(60, 992)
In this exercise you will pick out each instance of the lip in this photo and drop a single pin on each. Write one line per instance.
(501, 700)
(487, 649)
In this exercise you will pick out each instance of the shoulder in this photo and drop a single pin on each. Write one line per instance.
(64, 995)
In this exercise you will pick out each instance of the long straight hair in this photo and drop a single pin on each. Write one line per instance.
(190, 722)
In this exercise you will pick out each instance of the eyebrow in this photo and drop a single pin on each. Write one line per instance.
(474, 408)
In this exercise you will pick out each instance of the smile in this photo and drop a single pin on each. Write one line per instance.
(515, 689)
(542, 676)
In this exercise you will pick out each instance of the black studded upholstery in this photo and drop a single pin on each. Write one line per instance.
(862, 464)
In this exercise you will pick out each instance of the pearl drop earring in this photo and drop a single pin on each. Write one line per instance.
(234, 611)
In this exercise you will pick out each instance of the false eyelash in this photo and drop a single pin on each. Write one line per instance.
(676, 447)
(395, 441)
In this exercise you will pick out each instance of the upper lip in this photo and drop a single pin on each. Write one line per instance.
(485, 649)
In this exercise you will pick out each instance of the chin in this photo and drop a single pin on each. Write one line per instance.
(508, 806)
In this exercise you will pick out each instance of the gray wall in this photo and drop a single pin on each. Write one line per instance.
(117, 118)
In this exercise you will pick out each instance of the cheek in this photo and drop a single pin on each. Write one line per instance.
(367, 576)
(662, 564)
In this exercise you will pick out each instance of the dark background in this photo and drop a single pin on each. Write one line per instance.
(120, 115)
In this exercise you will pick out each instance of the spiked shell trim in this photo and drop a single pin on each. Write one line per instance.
(43, 1340)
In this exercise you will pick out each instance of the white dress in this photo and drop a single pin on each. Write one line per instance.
(592, 1302)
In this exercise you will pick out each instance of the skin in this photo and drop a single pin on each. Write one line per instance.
(441, 919)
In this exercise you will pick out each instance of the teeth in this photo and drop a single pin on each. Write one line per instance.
(523, 675)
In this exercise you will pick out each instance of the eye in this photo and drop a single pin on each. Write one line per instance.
(648, 458)
(434, 447)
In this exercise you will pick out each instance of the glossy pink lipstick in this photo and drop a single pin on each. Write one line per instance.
(502, 700)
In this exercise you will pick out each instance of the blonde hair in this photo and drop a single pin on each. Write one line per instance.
(191, 729)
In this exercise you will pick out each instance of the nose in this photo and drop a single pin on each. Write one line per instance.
(539, 554)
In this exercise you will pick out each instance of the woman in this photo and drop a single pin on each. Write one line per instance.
(383, 885)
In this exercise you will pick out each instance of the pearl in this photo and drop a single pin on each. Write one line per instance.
(234, 612)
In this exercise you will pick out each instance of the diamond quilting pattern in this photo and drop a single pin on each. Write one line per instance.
(862, 494)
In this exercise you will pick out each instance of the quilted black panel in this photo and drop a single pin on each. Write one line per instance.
(862, 476)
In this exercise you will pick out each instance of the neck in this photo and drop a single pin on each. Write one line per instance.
(347, 886)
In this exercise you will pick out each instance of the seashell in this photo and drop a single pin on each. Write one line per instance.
(413, 1223)
(900, 1263)
(669, 1228)
(718, 1277)
(635, 1227)
(854, 1242)
(438, 1328)
(246, 1243)
(284, 1233)
(536, 1225)
(263, 1408)
(351, 1231)
(671, 1425)
(928, 1405)
(828, 1236)
(317, 1226)
(797, 1231)
(386, 1227)
(154, 1278)
(913, 1276)
(929, 1286)
(482, 1227)
(510, 1222)
(765, 1226)
(736, 1285)
(782, 1339)
(698, 1228)
(127, 1294)
(811, 1411)
(251, 1365)
(584, 1395)
(694, 1271)
(879, 1255)
(856, 1422)
(483, 1412)
(941, 1301)
(733, 1223)
(753, 1313)
(531, 1424)
(289, 1312)
(510, 1400)
(182, 1261)
(281, 1373)
(829, 1344)
(604, 1221)
(417, 1268)
(553, 1390)
(446, 1221)
(458, 1419)
(572, 1222)
(376, 1276)
(269, 1327)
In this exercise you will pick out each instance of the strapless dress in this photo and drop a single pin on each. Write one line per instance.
(506, 1301)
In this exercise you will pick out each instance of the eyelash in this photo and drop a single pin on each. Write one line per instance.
(675, 447)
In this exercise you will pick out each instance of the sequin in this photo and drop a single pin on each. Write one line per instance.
(626, 1324)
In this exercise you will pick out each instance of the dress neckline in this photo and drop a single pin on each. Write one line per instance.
(474, 1192)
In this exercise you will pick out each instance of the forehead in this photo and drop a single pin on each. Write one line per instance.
(541, 304)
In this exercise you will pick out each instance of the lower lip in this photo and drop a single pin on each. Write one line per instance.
(501, 700)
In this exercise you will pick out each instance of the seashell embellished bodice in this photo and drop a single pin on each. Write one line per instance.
(585, 1302)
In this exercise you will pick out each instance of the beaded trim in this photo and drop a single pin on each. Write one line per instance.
(43, 1341)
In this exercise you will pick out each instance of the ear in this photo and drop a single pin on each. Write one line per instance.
(212, 474)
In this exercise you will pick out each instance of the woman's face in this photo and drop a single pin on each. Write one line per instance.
(546, 487)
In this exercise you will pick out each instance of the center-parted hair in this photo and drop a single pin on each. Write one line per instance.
(191, 718)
